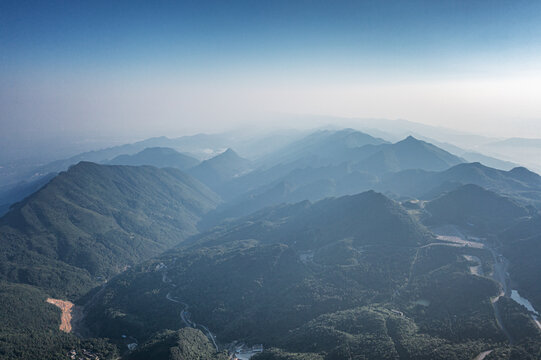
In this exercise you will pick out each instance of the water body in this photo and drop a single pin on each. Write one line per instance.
(522, 301)
(528, 305)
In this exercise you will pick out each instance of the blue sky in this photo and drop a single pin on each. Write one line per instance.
(164, 66)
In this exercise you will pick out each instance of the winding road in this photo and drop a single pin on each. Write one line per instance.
(184, 314)
(455, 237)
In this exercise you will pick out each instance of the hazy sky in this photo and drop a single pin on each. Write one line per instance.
(144, 68)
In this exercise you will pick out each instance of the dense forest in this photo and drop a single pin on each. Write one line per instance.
(162, 267)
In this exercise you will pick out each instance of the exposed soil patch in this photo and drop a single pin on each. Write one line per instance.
(70, 313)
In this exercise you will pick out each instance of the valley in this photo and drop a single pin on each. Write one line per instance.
(313, 259)
(270, 180)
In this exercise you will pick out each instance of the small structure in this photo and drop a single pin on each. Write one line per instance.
(83, 355)
(245, 352)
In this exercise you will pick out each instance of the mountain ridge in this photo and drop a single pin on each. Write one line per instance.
(157, 156)
(94, 220)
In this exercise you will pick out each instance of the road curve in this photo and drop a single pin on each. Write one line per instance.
(184, 312)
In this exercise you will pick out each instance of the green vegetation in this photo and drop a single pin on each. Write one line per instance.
(84, 226)
(375, 332)
(471, 206)
(525, 267)
(278, 354)
(354, 277)
(184, 344)
(30, 328)
(521, 245)
(94, 221)
(520, 184)
(323, 280)
(517, 321)
(220, 169)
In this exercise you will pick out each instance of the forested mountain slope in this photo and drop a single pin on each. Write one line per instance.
(93, 221)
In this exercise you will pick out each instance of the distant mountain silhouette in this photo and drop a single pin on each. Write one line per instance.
(220, 169)
(409, 153)
(12, 194)
(520, 183)
(342, 170)
(517, 142)
(159, 157)
(300, 184)
(316, 250)
(324, 147)
(199, 144)
(488, 161)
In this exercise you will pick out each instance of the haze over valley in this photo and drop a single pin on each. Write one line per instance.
(307, 180)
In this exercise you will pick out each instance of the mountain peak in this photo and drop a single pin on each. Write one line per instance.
(523, 174)
(229, 152)
(82, 165)
(520, 170)
(159, 149)
(221, 168)
(411, 153)
(411, 140)
(158, 157)
(227, 155)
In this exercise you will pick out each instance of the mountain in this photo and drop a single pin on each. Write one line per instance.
(328, 164)
(488, 161)
(409, 153)
(12, 194)
(367, 218)
(472, 156)
(29, 327)
(525, 176)
(471, 206)
(522, 247)
(303, 251)
(325, 147)
(201, 145)
(281, 247)
(524, 229)
(519, 183)
(157, 156)
(325, 280)
(220, 169)
(184, 344)
(94, 221)
(522, 151)
(310, 183)
(523, 255)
